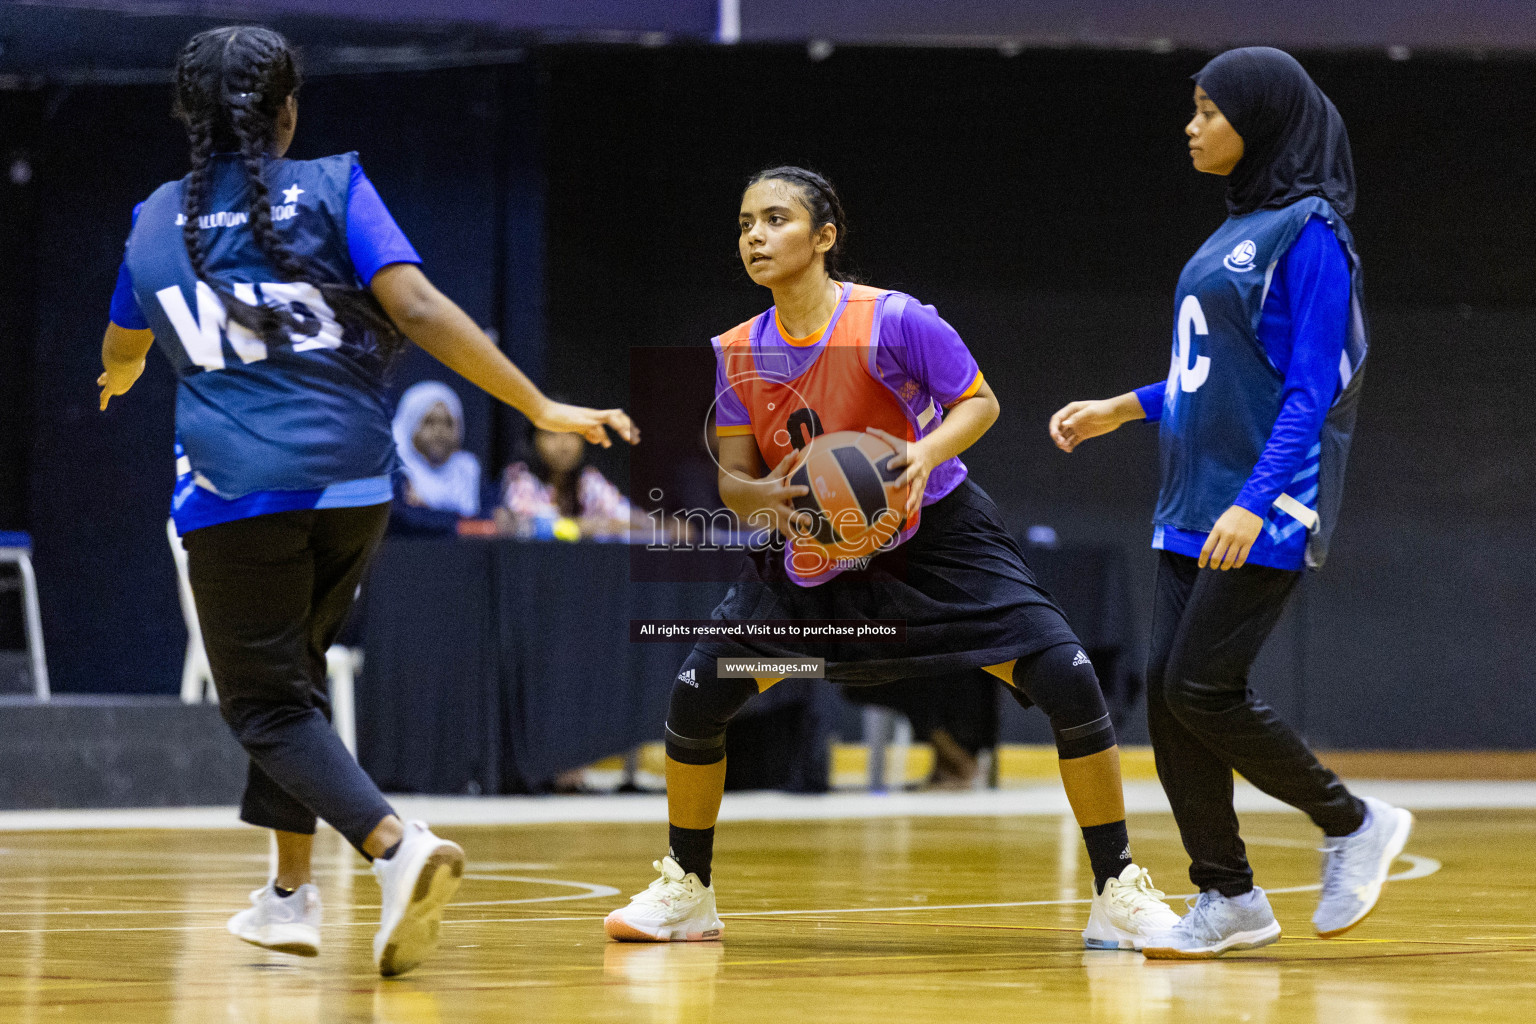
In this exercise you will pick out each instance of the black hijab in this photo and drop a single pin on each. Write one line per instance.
(1294, 142)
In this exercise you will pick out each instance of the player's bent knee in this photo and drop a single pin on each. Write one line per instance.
(1085, 739)
(701, 706)
(696, 750)
(1191, 697)
(1061, 682)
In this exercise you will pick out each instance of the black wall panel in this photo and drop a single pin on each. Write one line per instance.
(1043, 202)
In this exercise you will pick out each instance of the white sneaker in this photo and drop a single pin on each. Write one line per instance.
(288, 924)
(417, 882)
(677, 907)
(1127, 911)
(1354, 867)
(1216, 924)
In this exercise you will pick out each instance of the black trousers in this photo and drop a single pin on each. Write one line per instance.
(272, 592)
(1205, 721)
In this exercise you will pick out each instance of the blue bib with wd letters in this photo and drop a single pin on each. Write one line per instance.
(251, 417)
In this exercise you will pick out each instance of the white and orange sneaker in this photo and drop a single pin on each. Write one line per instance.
(677, 907)
(1127, 911)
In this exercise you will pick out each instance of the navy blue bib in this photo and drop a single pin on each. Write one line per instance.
(298, 416)
(1223, 394)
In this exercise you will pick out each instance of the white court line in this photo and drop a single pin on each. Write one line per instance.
(1044, 799)
(329, 925)
(591, 890)
(1419, 867)
(158, 876)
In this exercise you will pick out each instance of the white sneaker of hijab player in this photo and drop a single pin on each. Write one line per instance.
(417, 882)
(1216, 924)
(287, 924)
(1355, 866)
(1127, 911)
(677, 907)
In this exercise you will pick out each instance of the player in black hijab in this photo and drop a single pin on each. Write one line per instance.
(1294, 142)
(1255, 424)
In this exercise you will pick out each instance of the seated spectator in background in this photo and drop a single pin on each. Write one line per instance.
(553, 496)
(440, 484)
(956, 714)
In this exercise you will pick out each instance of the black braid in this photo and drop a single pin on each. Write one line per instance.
(231, 85)
(821, 200)
(196, 193)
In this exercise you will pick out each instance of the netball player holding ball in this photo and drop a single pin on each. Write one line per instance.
(869, 397)
(1256, 419)
(278, 319)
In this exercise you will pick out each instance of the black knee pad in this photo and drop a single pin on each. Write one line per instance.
(702, 704)
(1062, 682)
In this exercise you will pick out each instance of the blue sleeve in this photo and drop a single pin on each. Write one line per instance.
(125, 310)
(1151, 399)
(374, 240)
(1317, 287)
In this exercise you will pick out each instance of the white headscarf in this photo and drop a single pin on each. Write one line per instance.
(455, 485)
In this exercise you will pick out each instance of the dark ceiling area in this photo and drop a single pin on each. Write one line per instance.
(137, 43)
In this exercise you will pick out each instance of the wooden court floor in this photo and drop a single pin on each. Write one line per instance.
(878, 920)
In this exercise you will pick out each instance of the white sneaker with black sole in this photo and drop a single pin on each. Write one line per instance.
(1127, 912)
(677, 907)
(417, 882)
(286, 924)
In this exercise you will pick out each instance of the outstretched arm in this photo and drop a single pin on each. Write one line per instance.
(122, 360)
(1076, 422)
(445, 332)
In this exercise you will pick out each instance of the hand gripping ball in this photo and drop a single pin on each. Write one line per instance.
(855, 505)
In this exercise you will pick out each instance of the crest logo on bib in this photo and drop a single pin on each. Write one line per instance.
(1241, 258)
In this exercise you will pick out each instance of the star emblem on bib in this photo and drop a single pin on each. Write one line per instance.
(291, 193)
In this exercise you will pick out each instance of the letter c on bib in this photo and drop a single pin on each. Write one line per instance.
(1190, 377)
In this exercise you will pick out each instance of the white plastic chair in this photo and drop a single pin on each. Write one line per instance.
(196, 674)
(341, 667)
(16, 548)
(888, 735)
(341, 663)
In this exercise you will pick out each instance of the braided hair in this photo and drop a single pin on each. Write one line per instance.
(821, 200)
(231, 85)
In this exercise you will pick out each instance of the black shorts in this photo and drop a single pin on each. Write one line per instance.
(960, 583)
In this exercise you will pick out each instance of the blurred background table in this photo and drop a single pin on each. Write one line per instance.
(494, 665)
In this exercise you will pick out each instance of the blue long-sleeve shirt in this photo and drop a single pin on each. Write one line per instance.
(1302, 329)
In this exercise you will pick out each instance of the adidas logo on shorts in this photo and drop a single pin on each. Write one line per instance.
(686, 676)
(1081, 659)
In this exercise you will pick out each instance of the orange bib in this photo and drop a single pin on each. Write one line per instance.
(839, 390)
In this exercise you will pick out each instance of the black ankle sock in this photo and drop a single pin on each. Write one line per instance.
(1109, 851)
(693, 849)
(1353, 825)
(390, 853)
(281, 892)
